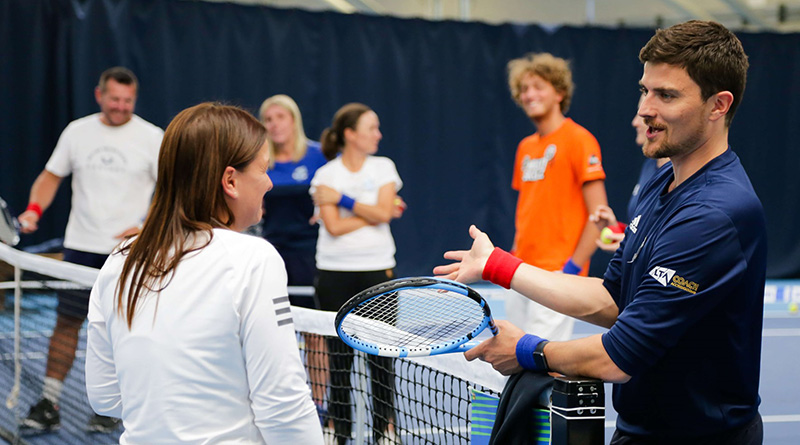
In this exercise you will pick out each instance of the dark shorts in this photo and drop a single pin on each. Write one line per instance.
(300, 269)
(751, 433)
(334, 288)
(75, 303)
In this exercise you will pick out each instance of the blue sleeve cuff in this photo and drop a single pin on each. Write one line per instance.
(571, 268)
(525, 347)
(347, 202)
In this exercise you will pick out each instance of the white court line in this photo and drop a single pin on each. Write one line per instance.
(26, 334)
(786, 332)
(9, 356)
(780, 315)
(780, 419)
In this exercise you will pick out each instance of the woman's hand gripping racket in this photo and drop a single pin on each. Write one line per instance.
(414, 317)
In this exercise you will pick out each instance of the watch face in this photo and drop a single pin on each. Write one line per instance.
(539, 358)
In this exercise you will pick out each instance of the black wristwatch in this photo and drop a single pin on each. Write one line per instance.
(539, 358)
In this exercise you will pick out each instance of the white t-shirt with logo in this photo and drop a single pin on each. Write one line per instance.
(368, 248)
(113, 172)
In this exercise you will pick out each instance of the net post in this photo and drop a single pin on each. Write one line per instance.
(360, 403)
(577, 412)
(13, 396)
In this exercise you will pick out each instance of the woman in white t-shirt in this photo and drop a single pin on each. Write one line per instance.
(190, 336)
(355, 192)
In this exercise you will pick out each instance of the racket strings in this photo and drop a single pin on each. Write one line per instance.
(415, 318)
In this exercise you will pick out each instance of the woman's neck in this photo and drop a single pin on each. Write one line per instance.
(284, 152)
(353, 159)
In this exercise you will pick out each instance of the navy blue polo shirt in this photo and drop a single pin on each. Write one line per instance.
(689, 283)
(288, 206)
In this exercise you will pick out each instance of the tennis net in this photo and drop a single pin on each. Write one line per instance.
(425, 400)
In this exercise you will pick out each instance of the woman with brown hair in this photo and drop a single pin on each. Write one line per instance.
(190, 333)
(355, 192)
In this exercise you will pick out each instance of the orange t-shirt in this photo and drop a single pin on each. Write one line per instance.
(549, 174)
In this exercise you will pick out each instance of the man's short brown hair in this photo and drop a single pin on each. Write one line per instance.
(121, 75)
(711, 54)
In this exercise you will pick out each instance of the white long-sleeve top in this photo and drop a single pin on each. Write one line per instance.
(217, 362)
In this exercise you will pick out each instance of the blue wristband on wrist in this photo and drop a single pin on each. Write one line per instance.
(571, 268)
(525, 347)
(347, 202)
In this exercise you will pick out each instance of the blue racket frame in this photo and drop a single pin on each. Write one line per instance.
(460, 344)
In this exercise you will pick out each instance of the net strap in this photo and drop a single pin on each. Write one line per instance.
(82, 275)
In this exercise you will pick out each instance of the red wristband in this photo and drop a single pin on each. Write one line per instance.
(36, 208)
(500, 267)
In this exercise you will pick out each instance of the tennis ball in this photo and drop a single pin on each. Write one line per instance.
(793, 308)
(605, 235)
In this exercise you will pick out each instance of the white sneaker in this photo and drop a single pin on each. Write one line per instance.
(328, 437)
(389, 438)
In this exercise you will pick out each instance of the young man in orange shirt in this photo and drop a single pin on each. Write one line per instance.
(559, 176)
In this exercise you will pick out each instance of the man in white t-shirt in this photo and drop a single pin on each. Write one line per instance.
(113, 158)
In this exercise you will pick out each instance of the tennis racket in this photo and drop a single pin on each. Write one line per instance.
(414, 317)
(9, 227)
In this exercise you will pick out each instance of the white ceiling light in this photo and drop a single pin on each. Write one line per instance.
(342, 6)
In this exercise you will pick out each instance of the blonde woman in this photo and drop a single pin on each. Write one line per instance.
(294, 159)
(289, 222)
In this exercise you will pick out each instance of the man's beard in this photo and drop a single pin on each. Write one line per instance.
(667, 148)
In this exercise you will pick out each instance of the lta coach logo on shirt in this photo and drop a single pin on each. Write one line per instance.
(667, 277)
(662, 274)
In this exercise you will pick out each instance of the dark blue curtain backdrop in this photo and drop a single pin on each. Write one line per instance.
(439, 88)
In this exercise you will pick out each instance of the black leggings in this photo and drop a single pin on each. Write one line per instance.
(333, 289)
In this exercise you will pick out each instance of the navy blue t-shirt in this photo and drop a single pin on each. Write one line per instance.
(649, 168)
(689, 283)
(288, 206)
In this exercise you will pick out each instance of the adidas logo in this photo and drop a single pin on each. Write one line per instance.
(635, 223)
(662, 274)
